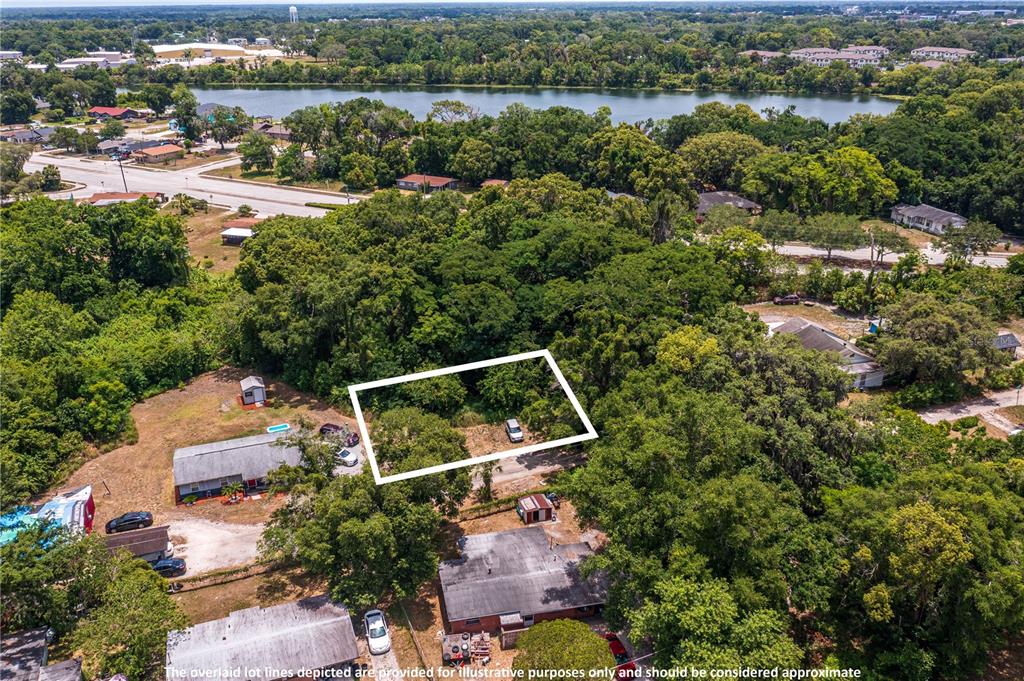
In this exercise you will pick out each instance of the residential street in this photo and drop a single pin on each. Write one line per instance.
(267, 200)
(931, 254)
(979, 406)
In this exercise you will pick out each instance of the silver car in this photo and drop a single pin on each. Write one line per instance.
(377, 636)
(514, 432)
(347, 458)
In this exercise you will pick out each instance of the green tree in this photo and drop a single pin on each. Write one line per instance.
(291, 164)
(127, 633)
(717, 157)
(257, 152)
(185, 105)
(474, 162)
(964, 242)
(50, 177)
(111, 129)
(157, 96)
(227, 124)
(562, 645)
(16, 107)
(830, 231)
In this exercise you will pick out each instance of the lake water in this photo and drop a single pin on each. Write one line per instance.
(627, 105)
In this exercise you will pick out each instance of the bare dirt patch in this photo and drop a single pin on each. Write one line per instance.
(204, 410)
(846, 326)
(1006, 664)
(490, 438)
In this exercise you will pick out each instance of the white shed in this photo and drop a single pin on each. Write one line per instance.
(253, 390)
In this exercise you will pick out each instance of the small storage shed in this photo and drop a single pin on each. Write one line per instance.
(253, 390)
(535, 509)
(150, 543)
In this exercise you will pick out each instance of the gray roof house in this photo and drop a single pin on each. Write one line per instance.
(516, 576)
(23, 658)
(308, 635)
(1006, 341)
(926, 218)
(864, 370)
(204, 469)
(708, 200)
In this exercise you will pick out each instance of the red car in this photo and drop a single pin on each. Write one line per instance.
(625, 668)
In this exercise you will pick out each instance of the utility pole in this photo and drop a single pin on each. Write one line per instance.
(121, 168)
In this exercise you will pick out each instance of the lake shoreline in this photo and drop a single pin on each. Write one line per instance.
(627, 105)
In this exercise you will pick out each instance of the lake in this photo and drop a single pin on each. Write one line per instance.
(627, 106)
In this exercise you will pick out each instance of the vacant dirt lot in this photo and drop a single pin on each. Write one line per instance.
(138, 476)
(490, 438)
(204, 243)
(845, 326)
(213, 602)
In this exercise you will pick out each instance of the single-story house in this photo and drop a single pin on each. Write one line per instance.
(118, 112)
(708, 200)
(1007, 342)
(926, 218)
(160, 154)
(302, 637)
(149, 543)
(253, 390)
(494, 182)
(110, 198)
(535, 508)
(11, 55)
(865, 371)
(426, 183)
(130, 146)
(27, 135)
(510, 580)
(110, 146)
(203, 470)
(23, 657)
(273, 130)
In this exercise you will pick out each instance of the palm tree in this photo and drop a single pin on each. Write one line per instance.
(232, 490)
(187, 54)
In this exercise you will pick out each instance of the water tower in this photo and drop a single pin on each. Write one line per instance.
(293, 14)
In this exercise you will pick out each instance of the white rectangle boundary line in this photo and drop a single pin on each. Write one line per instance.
(353, 391)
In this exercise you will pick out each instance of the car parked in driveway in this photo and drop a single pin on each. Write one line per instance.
(791, 299)
(513, 430)
(377, 636)
(331, 429)
(347, 458)
(625, 668)
(170, 567)
(129, 521)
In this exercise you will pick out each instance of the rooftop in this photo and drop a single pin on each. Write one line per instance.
(251, 457)
(517, 571)
(162, 149)
(432, 180)
(926, 212)
(310, 634)
(139, 542)
(814, 337)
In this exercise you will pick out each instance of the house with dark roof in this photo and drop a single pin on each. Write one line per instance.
(426, 183)
(926, 218)
(27, 135)
(708, 200)
(1007, 341)
(296, 639)
(203, 470)
(510, 580)
(865, 371)
(149, 543)
(23, 657)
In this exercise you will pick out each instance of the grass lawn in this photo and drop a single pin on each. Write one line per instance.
(236, 173)
(192, 160)
(204, 242)
(917, 238)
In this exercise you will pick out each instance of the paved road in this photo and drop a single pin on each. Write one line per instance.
(932, 255)
(267, 200)
(979, 406)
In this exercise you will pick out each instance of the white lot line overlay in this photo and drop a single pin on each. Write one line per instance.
(353, 391)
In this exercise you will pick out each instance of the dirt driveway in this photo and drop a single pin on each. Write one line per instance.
(138, 476)
(207, 546)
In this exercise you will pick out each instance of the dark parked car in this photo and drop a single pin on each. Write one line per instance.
(169, 567)
(625, 668)
(791, 299)
(129, 521)
(331, 429)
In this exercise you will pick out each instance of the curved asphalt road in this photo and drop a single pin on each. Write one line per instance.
(104, 176)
